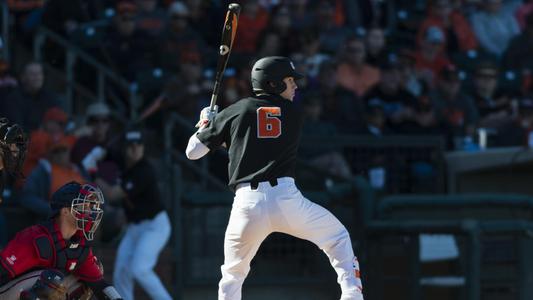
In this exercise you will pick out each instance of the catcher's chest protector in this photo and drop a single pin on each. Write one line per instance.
(65, 256)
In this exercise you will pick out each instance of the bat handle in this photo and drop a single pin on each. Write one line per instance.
(213, 102)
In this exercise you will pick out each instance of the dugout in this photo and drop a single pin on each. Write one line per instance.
(492, 238)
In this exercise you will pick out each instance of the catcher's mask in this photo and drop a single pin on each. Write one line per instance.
(85, 202)
(13, 142)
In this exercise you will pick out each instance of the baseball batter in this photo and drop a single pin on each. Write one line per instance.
(262, 134)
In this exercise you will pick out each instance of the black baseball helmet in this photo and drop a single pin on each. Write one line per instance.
(268, 74)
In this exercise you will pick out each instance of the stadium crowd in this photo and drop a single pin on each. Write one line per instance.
(376, 68)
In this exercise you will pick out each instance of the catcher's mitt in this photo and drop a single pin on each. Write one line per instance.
(49, 286)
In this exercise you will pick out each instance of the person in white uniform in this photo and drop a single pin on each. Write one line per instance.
(148, 227)
(262, 134)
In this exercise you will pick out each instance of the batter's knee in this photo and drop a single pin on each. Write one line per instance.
(140, 270)
(237, 271)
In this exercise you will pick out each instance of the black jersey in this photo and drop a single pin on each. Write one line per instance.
(262, 134)
(143, 197)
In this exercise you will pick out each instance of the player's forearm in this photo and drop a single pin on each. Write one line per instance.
(195, 148)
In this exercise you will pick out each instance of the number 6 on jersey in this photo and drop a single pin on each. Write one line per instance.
(268, 123)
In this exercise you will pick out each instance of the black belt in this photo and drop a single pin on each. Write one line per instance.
(255, 184)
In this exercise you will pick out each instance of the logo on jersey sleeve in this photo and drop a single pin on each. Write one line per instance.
(11, 259)
(268, 122)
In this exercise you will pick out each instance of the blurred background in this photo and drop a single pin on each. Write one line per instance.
(418, 133)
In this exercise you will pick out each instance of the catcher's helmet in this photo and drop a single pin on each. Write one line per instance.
(85, 202)
(268, 74)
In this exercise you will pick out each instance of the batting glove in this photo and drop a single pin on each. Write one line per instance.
(206, 116)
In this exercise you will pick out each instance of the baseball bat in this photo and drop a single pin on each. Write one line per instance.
(228, 35)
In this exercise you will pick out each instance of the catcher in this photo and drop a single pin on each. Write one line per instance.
(54, 260)
(13, 144)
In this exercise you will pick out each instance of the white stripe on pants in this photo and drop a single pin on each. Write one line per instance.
(282, 208)
(137, 256)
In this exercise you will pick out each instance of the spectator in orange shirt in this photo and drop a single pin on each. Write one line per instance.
(252, 21)
(353, 73)
(458, 35)
(51, 173)
(52, 130)
(430, 59)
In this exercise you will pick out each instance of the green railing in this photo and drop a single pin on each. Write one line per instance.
(481, 219)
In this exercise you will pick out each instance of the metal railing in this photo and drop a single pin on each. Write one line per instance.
(5, 31)
(104, 75)
(397, 154)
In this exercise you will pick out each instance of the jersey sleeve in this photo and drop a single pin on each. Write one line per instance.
(22, 253)
(90, 270)
(217, 131)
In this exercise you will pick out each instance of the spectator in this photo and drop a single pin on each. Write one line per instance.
(50, 173)
(458, 35)
(280, 32)
(26, 15)
(93, 152)
(65, 17)
(301, 17)
(331, 33)
(424, 120)
(203, 17)
(180, 43)
(522, 12)
(493, 105)
(518, 54)
(408, 76)
(375, 120)
(52, 130)
(517, 131)
(353, 73)
(376, 13)
(313, 55)
(340, 106)
(270, 44)
(376, 43)
(27, 103)
(430, 59)
(252, 21)
(150, 18)
(149, 226)
(395, 102)
(7, 82)
(455, 111)
(129, 50)
(494, 27)
(326, 158)
(188, 101)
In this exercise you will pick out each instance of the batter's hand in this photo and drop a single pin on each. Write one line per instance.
(206, 116)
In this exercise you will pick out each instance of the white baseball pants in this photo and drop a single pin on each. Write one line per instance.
(137, 256)
(282, 208)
